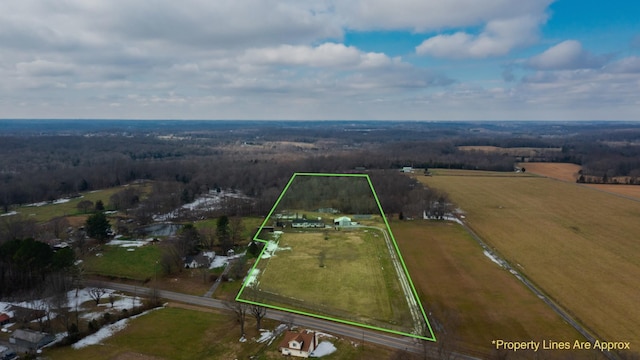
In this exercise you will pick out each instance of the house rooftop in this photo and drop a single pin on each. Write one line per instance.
(304, 338)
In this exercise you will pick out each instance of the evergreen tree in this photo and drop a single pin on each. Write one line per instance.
(97, 226)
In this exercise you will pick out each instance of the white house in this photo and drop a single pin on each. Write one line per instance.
(342, 221)
(298, 344)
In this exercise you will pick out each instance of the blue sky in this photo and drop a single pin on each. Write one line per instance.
(320, 59)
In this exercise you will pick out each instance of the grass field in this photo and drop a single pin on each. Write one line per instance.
(474, 299)
(116, 261)
(50, 211)
(191, 333)
(348, 276)
(579, 245)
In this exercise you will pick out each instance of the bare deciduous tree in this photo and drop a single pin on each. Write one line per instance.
(240, 311)
(96, 293)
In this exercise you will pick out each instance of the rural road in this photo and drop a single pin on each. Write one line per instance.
(416, 313)
(358, 334)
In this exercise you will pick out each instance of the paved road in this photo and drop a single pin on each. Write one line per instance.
(364, 335)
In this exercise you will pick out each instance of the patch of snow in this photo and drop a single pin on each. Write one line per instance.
(38, 204)
(213, 200)
(252, 277)
(106, 332)
(129, 243)
(492, 258)
(323, 349)
(61, 201)
(10, 213)
(220, 261)
(269, 249)
(264, 335)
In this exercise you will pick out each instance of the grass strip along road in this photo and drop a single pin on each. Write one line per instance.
(429, 349)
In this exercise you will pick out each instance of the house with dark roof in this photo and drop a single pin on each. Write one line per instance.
(300, 344)
(197, 261)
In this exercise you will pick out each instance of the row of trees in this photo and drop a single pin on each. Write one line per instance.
(27, 264)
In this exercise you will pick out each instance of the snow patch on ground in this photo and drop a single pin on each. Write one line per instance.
(252, 277)
(323, 349)
(129, 243)
(492, 258)
(264, 336)
(220, 261)
(205, 203)
(61, 201)
(10, 213)
(105, 332)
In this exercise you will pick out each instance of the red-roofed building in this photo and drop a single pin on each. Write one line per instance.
(299, 344)
(4, 319)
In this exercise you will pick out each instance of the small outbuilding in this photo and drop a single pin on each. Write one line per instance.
(342, 221)
(29, 339)
(4, 319)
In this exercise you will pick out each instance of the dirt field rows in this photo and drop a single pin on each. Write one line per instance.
(472, 300)
(579, 245)
(569, 172)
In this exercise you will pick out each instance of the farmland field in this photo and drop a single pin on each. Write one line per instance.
(579, 245)
(569, 172)
(474, 299)
(560, 171)
(342, 274)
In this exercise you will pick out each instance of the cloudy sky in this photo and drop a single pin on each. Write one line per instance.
(320, 59)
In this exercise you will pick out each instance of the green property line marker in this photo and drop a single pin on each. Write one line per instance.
(429, 337)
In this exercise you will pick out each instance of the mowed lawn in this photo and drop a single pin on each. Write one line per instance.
(470, 299)
(581, 246)
(169, 333)
(185, 332)
(140, 264)
(349, 275)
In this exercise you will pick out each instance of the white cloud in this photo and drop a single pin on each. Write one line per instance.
(629, 65)
(497, 38)
(423, 15)
(44, 68)
(324, 55)
(566, 55)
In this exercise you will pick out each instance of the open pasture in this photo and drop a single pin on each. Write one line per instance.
(471, 297)
(47, 212)
(577, 244)
(140, 264)
(342, 274)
